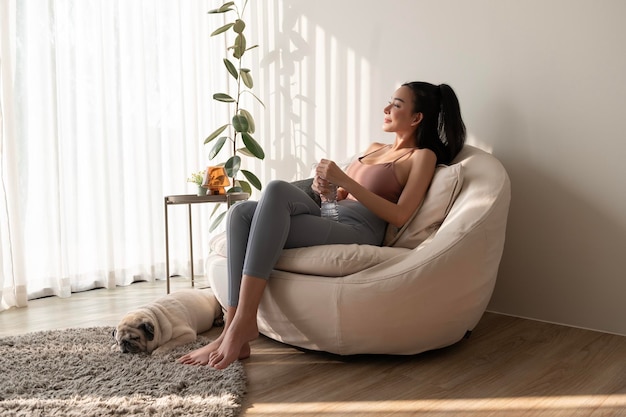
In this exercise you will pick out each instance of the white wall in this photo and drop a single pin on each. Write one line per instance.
(542, 85)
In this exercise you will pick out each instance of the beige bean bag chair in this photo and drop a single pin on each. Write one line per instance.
(423, 291)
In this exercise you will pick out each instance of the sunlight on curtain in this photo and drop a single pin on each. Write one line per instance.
(105, 105)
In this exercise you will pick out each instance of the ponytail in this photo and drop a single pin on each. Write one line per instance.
(451, 128)
(442, 129)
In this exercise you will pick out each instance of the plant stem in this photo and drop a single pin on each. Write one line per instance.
(238, 89)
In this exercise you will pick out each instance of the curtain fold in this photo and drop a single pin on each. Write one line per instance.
(13, 289)
(105, 105)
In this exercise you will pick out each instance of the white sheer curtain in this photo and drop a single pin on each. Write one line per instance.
(104, 108)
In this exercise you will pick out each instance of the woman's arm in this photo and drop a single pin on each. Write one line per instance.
(423, 163)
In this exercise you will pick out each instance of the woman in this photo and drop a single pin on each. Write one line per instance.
(385, 185)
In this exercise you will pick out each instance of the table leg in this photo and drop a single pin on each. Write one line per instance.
(191, 246)
(167, 249)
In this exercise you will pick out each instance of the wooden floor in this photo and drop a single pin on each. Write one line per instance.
(508, 367)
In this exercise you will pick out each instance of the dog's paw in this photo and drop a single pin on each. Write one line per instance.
(160, 351)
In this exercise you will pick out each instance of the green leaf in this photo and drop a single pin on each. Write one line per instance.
(240, 46)
(245, 187)
(223, 8)
(215, 209)
(252, 178)
(232, 166)
(235, 189)
(258, 99)
(217, 222)
(239, 26)
(217, 147)
(240, 123)
(231, 69)
(252, 145)
(246, 152)
(226, 6)
(247, 78)
(225, 98)
(222, 29)
(248, 116)
(215, 134)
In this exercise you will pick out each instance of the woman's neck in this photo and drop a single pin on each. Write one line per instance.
(403, 142)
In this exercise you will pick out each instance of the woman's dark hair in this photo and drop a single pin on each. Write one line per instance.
(442, 129)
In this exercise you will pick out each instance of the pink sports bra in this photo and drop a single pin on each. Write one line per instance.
(378, 178)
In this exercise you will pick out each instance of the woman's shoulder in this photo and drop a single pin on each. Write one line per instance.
(423, 155)
(423, 152)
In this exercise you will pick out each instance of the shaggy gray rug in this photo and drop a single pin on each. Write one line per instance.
(74, 372)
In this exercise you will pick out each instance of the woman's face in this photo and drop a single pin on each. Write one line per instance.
(399, 114)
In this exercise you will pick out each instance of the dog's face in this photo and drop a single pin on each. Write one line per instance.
(134, 334)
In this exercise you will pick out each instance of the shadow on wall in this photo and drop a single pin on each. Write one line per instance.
(289, 52)
(318, 80)
(550, 270)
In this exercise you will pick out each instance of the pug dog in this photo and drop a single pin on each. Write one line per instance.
(170, 321)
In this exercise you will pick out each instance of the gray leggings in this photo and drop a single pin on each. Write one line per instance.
(286, 217)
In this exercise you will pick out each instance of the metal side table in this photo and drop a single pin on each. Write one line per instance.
(190, 199)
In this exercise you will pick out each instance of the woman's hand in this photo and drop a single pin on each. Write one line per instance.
(329, 171)
(320, 185)
(327, 175)
(326, 190)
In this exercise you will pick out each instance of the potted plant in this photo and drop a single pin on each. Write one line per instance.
(198, 179)
(239, 130)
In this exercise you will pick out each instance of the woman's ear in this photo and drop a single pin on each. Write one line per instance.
(417, 118)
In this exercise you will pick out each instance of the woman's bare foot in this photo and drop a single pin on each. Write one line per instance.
(239, 330)
(201, 356)
(235, 344)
